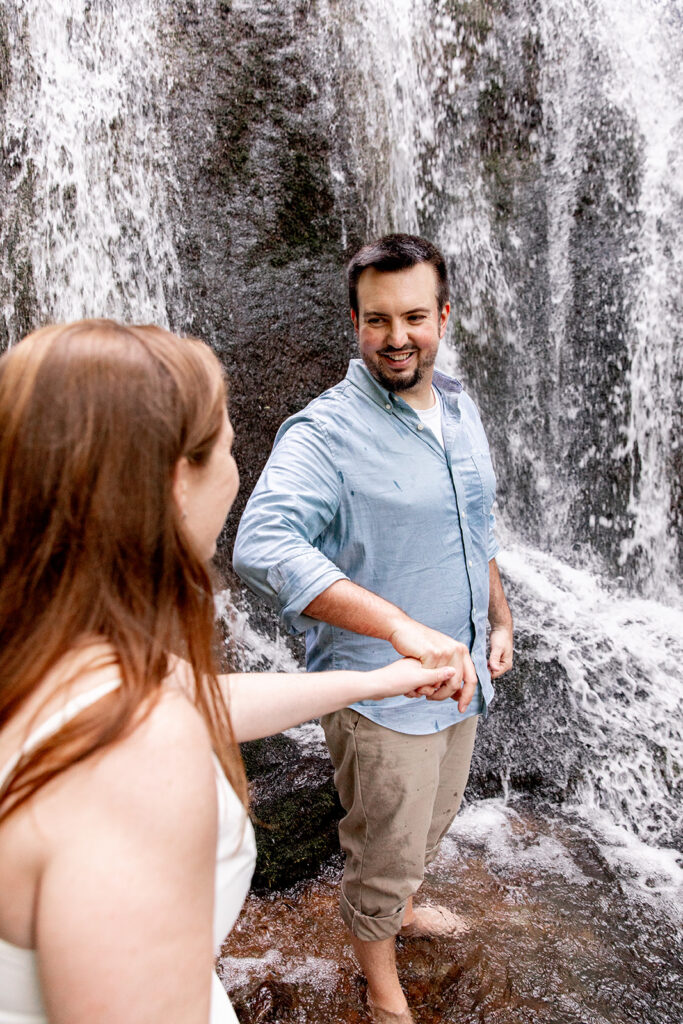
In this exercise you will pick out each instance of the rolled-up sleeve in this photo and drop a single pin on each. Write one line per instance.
(295, 499)
(493, 545)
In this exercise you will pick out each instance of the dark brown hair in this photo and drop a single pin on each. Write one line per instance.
(94, 417)
(397, 252)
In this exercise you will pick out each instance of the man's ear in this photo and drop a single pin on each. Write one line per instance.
(443, 319)
(354, 317)
(179, 486)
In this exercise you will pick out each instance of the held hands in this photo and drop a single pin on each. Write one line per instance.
(408, 677)
(436, 650)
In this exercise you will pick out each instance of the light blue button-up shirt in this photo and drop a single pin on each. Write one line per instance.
(357, 488)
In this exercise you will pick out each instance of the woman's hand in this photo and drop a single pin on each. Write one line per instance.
(408, 678)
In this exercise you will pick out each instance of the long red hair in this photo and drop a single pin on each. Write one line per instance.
(94, 417)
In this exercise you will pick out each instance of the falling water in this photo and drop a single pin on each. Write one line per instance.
(634, 49)
(378, 102)
(86, 231)
(540, 144)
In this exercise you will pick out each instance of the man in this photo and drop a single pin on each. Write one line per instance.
(371, 529)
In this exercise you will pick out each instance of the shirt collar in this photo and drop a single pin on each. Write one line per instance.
(360, 376)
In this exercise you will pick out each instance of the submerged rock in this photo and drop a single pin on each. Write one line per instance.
(554, 937)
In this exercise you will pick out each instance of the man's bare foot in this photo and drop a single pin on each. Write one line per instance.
(380, 1016)
(434, 921)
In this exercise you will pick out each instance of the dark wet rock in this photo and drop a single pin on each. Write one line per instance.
(535, 696)
(294, 809)
(259, 239)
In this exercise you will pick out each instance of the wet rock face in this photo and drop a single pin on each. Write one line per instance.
(532, 697)
(16, 275)
(259, 241)
(294, 810)
(262, 106)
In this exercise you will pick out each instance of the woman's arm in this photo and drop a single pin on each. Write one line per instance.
(265, 703)
(125, 899)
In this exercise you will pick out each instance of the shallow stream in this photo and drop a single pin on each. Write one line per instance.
(555, 935)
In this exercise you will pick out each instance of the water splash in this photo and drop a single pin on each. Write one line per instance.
(622, 656)
(88, 217)
(253, 650)
(379, 108)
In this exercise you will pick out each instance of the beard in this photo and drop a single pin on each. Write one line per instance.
(391, 384)
(396, 384)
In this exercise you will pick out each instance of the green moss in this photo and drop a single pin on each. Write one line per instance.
(295, 835)
(307, 201)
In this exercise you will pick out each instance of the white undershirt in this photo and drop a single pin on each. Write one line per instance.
(432, 418)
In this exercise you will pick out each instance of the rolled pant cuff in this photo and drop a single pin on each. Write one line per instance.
(432, 854)
(370, 929)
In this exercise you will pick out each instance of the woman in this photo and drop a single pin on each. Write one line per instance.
(123, 830)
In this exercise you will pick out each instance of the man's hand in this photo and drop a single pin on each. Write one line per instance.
(500, 650)
(434, 649)
(500, 641)
(348, 606)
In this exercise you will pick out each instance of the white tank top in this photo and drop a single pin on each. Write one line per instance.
(20, 997)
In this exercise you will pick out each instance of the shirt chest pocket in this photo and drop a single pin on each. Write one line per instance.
(478, 480)
(485, 482)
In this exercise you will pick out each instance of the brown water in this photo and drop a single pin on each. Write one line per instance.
(555, 936)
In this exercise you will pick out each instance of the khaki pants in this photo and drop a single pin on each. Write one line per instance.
(400, 794)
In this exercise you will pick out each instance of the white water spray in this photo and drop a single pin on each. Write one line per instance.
(84, 123)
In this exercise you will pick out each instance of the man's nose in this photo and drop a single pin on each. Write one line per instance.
(398, 335)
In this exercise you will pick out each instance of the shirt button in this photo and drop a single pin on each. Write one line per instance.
(463, 515)
(420, 426)
(474, 611)
(387, 406)
(470, 564)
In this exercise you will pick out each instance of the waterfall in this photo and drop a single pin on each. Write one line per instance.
(377, 95)
(85, 230)
(551, 181)
(632, 47)
(208, 164)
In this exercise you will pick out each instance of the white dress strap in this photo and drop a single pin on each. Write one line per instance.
(53, 723)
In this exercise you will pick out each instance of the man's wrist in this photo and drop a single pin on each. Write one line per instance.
(397, 621)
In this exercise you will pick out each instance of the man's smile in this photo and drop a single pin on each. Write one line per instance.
(397, 358)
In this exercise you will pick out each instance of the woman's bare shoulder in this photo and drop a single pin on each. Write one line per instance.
(154, 779)
(168, 748)
(134, 797)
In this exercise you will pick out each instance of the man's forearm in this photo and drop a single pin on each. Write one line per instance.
(348, 606)
(499, 610)
(501, 639)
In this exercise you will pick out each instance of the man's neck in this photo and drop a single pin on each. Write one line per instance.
(421, 396)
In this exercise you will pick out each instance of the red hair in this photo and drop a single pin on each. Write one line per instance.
(94, 417)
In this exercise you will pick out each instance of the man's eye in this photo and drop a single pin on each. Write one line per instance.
(416, 318)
